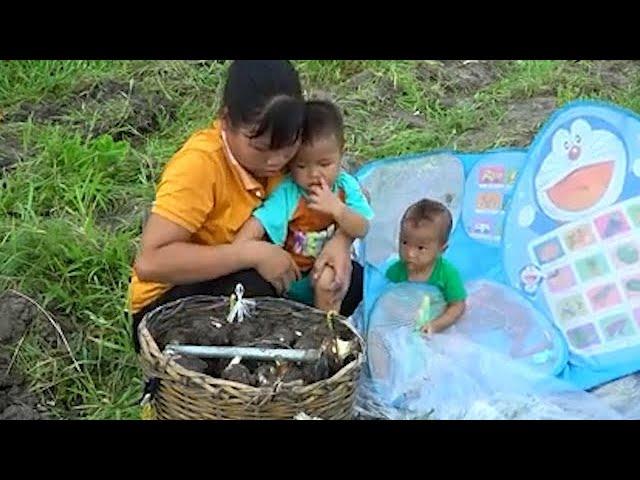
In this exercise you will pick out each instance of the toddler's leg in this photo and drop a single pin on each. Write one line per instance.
(324, 297)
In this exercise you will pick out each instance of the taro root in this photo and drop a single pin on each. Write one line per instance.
(267, 329)
(244, 333)
(316, 371)
(178, 336)
(292, 373)
(238, 373)
(211, 334)
(266, 374)
(192, 363)
(281, 335)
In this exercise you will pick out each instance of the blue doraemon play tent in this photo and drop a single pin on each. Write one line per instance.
(547, 240)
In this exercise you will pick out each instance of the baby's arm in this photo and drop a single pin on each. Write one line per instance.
(450, 316)
(455, 296)
(272, 217)
(251, 230)
(351, 223)
(354, 215)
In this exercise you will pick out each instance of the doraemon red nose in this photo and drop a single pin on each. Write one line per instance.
(574, 152)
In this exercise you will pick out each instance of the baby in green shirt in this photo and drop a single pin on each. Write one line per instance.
(424, 236)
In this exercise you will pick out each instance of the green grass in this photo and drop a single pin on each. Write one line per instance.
(71, 209)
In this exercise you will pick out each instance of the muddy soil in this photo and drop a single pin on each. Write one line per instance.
(16, 400)
(615, 73)
(124, 110)
(11, 150)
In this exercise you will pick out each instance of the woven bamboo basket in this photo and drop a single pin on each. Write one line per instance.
(182, 394)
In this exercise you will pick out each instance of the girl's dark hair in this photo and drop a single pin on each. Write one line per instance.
(322, 118)
(266, 97)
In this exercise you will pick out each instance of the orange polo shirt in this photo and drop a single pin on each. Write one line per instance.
(206, 191)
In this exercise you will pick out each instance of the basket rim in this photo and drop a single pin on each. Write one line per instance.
(149, 350)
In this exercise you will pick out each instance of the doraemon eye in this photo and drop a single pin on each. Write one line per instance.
(577, 139)
(561, 141)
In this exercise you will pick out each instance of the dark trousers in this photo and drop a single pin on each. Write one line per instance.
(254, 286)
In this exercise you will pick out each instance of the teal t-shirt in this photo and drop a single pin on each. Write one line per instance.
(444, 276)
(278, 209)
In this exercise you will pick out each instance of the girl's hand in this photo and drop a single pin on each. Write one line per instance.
(275, 265)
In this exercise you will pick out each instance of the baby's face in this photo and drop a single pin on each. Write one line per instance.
(319, 160)
(420, 244)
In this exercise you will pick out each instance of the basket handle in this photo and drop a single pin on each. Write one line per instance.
(255, 353)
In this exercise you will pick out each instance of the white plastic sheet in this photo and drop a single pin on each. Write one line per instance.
(449, 376)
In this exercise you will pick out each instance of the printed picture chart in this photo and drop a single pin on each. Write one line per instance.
(591, 280)
(494, 184)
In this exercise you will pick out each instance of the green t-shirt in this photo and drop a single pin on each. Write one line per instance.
(444, 276)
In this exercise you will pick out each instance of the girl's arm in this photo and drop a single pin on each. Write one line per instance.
(251, 230)
(168, 256)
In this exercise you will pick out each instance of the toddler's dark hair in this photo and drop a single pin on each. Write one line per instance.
(322, 118)
(428, 210)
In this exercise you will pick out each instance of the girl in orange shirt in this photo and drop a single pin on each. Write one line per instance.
(210, 188)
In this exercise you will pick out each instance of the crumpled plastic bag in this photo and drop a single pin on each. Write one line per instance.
(450, 376)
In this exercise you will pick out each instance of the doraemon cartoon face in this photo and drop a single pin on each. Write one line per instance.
(583, 173)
